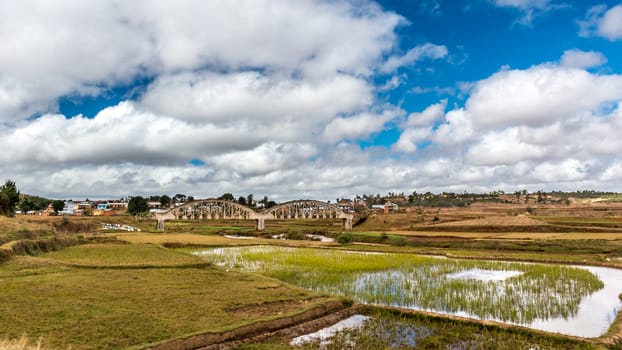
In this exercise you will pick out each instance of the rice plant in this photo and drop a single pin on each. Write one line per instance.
(532, 291)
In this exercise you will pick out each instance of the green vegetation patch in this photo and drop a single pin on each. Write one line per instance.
(121, 308)
(122, 255)
(531, 291)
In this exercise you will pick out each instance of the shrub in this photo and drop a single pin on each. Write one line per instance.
(295, 235)
(34, 247)
(5, 255)
(398, 241)
(66, 226)
(345, 238)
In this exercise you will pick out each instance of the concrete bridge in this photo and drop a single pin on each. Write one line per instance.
(218, 209)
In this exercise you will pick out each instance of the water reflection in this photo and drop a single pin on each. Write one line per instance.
(581, 301)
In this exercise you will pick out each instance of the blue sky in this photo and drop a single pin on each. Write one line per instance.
(314, 99)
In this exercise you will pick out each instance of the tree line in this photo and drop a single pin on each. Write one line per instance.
(140, 205)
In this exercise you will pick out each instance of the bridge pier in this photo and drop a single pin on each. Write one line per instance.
(347, 223)
(260, 224)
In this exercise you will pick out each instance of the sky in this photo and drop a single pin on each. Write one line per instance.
(309, 98)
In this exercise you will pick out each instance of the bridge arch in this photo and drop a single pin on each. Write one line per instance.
(210, 209)
(309, 209)
(219, 209)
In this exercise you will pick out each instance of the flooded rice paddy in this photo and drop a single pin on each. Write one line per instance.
(581, 301)
(323, 335)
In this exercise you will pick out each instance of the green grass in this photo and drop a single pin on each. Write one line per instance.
(122, 255)
(86, 308)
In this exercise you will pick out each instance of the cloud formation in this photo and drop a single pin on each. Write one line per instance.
(529, 8)
(285, 98)
(582, 59)
(550, 123)
(73, 47)
(421, 52)
(604, 22)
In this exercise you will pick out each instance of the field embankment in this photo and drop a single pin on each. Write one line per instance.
(121, 296)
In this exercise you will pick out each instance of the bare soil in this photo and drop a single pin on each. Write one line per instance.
(519, 220)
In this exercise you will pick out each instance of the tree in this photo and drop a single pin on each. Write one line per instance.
(249, 200)
(179, 198)
(28, 203)
(242, 200)
(540, 197)
(9, 197)
(267, 203)
(227, 197)
(58, 205)
(165, 201)
(137, 205)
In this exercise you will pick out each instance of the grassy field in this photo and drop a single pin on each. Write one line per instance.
(122, 255)
(104, 308)
(127, 292)
(185, 238)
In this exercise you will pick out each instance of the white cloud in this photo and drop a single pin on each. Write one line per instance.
(410, 138)
(602, 22)
(457, 129)
(429, 115)
(539, 95)
(272, 96)
(610, 26)
(249, 87)
(414, 55)
(544, 126)
(582, 59)
(530, 8)
(502, 148)
(125, 133)
(436, 89)
(73, 47)
(613, 172)
(523, 4)
(394, 82)
(418, 127)
(220, 98)
(566, 170)
(359, 126)
(266, 158)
